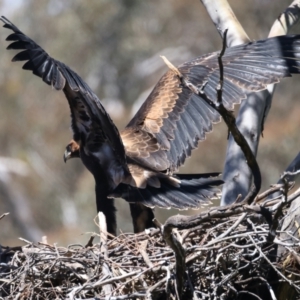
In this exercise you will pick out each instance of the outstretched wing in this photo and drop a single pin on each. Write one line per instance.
(172, 120)
(89, 118)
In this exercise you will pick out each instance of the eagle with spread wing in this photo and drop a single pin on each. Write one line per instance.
(139, 162)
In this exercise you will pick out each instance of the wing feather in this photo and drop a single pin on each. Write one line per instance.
(172, 120)
(159, 138)
(88, 115)
(172, 111)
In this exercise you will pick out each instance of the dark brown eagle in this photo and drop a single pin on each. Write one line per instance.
(138, 163)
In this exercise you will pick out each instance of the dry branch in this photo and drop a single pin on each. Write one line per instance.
(226, 257)
(236, 174)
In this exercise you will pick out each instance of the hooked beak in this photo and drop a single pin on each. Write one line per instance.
(67, 155)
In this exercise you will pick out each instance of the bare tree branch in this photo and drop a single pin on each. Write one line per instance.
(223, 17)
(253, 111)
(286, 20)
(280, 27)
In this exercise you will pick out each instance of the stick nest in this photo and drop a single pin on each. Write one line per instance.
(225, 258)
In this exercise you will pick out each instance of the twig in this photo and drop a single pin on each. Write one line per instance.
(249, 293)
(273, 267)
(238, 137)
(125, 297)
(274, 188)
(233, 227)
(3, 215)
(185, 222)
(142, 249)
(100, 282)
(289, 173)
(90, 241)
(176, 246)
(103, 239)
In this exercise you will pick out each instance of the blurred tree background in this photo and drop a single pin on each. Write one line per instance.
(115, 46)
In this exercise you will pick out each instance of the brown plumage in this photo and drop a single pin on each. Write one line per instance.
(138, 163)
(142, 216)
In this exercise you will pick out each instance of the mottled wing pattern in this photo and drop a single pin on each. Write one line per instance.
(175, 119)
(88, 115)
(172, 118)
(139, 144)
